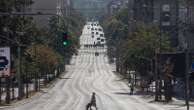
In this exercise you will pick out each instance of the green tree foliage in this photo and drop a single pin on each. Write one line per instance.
(23, 30)
(116, 29)
(42, 52)
(130, 49)
(71, 24)
(143, 44)
(15, 24)
(44, 57)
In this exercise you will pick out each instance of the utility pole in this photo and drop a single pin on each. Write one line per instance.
(19, 51)
(187, 66)
(36, 72)
(187, 89)
(20, 94)
(67, 13)
(157, 59)
(156, 78)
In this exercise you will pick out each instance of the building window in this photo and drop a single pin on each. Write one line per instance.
(166, 8)
(165, 23)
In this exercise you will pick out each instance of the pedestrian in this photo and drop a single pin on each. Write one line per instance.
(93, 100)
(131, 89)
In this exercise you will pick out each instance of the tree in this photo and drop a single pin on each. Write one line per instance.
(130, 49)
(72, 25)
(44, 58)
(144, 43)
(15, 24)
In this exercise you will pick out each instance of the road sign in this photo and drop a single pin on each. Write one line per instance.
(5, 61)
(192, 66)
(178, 61)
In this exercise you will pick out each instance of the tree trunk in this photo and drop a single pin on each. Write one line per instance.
(7, 90)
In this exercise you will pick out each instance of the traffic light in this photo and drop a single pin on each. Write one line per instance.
(65, 39)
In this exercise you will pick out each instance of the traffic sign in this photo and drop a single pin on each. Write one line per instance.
(192, 66)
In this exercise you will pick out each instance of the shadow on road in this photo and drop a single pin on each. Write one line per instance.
(43, 92)
(64, 78)
(178, 105)
(122, 93)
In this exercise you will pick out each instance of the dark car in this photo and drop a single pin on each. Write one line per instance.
(96, 54)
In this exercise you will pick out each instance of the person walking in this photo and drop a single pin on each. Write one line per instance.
(131, 89)
(93, 99)
(92, 102)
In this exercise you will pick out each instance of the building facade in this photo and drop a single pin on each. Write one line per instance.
(189, 32)
(91, 9)
(115, 5)
(58, 7)
(166, 14)
(163, 13)
(143, 10)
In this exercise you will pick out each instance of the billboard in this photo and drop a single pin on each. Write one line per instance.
(178, 61)
(5, 61)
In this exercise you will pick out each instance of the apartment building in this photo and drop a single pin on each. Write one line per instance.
(189, 21)
(143, 10)
(163, 13)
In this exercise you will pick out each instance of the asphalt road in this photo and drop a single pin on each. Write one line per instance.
(86, 74)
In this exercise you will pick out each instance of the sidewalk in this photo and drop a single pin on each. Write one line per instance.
(32, 95)
(176, 104)
(14, 99)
